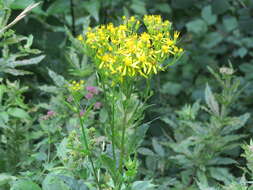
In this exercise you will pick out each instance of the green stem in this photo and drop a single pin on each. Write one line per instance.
(122, 151)
(111, 111)
(85, 142)
(127, 91)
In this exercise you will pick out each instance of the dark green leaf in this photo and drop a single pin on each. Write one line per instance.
(158, 148)
(19, 113)
(197, 26)
(92, 7)
(208, 16)
(230, 23)
(210, 100)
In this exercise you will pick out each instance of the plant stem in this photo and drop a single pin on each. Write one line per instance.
(127, 92)
(85, 142)
(111, 111)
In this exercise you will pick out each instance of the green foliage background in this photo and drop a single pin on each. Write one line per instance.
(214, 32)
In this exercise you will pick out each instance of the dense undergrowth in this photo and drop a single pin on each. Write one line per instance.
(95, 98)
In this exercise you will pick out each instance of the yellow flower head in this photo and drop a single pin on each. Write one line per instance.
(121, 51)
(80, 37)
(75, 86)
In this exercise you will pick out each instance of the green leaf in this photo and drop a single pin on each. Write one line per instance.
(5, 178)
(230, 23)
(221, 174)
(58, 79)
(247, 68)
(109, 164)
(139, 7)
(182, 4)
(2, 92)
(241, 52)
(146, 151)
(222, 161)
(212, 39)
(220, 6)
(236, 123)
(25, 185)
(197, 26)
(4, 117)
(171, 88)
(52, 182)
(142, 185)
(137, 137)
(62, 150)
(49, 89)
(21, 4)
(58, 7)
(92, 7)
(19, 113)
(31, 61)
(158, 148)
(210, 101)
(73, 183)
(163, 7)
(17, 72)
(208, 16)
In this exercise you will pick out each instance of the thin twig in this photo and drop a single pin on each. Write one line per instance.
(20, 16)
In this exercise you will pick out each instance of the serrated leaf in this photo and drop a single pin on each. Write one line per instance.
(31, 61)
(17, 72)
(236, 124)
(222, 161)
(231, 138)
(58, 79)
(210, 100)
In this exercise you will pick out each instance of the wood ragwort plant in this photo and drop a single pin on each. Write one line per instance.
(202, 148)
(122, 57)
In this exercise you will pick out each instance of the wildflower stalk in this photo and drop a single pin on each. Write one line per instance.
(127, 90)
(111, 110)
(85, 142)
(123, 56)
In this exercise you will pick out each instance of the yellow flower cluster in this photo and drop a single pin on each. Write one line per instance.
(123, 51)
(76, 86)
